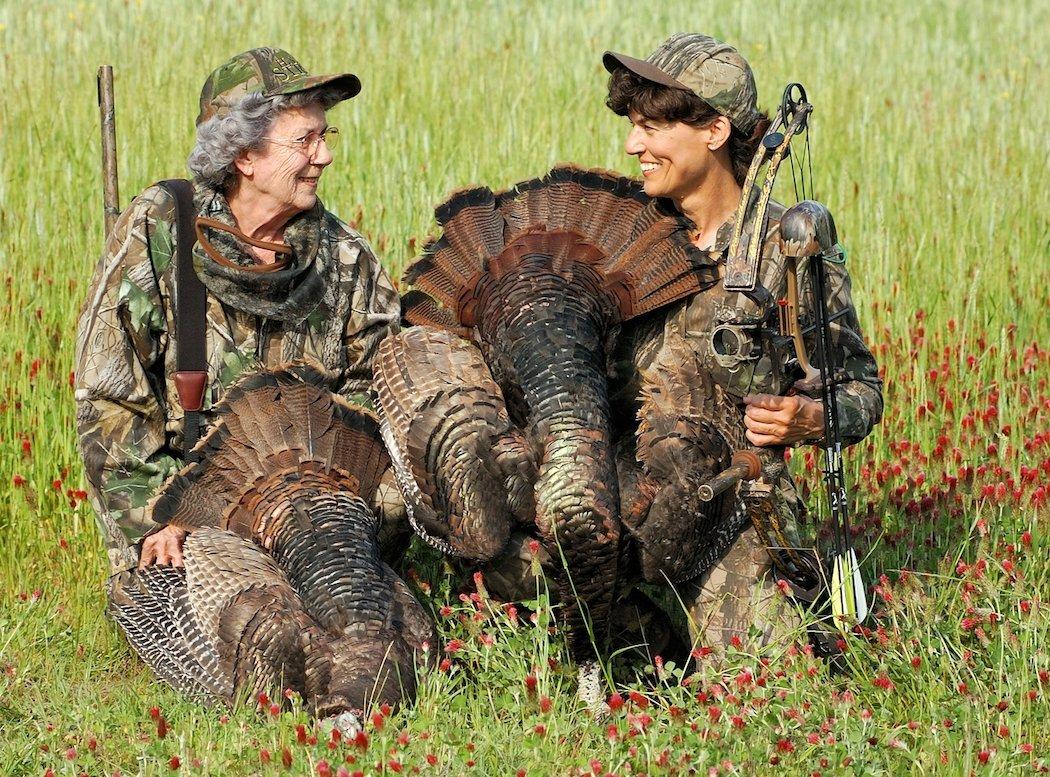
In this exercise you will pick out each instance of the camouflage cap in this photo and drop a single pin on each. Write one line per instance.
(713, 71)
(269, 71)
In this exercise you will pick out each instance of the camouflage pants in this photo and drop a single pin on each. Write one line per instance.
(738, 597)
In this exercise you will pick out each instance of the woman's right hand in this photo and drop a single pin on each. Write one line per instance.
(164, 547)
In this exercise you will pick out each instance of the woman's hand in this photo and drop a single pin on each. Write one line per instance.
(774, 420)
(164, 547)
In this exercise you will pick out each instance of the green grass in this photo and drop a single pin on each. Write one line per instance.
(930, 144)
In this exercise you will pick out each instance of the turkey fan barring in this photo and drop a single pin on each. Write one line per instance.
(283, 585)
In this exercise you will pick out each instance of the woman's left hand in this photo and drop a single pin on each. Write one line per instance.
(775, 420)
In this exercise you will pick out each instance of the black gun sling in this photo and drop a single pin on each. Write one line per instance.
(191, 357)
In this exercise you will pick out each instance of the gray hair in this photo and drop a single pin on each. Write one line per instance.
(221, 140)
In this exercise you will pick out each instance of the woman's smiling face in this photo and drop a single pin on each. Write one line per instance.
(281, 170)
(674, 156)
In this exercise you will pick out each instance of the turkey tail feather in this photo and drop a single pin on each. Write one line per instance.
(271, 424)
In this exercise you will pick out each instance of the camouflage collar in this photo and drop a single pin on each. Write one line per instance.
(290, 293)
(720, 249)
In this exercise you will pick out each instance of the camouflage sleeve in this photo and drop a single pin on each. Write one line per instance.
(121, 339)
(375, 313)
(860, 398)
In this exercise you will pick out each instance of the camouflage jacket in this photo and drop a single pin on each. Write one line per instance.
(698, 318)
(709, 318)
(129, 420)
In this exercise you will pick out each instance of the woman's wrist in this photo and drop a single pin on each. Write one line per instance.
(813, 421)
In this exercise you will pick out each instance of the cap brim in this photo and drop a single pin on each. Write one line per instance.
(347, 84)
(640, 67)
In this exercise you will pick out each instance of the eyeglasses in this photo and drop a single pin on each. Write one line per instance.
(308, 144)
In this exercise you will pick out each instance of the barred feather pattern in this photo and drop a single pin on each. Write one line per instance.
(283, 584)
(146, 605)
(641, 246)
(557, 324)
(539, 277)
(467, 473)
(688, 430)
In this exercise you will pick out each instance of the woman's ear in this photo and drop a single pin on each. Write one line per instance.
(721, 129)
(245, 163)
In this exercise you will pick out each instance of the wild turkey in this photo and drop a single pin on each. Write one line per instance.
(283, 585)
(690, 430)
(538, 278)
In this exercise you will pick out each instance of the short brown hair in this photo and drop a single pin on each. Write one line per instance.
(631, 93)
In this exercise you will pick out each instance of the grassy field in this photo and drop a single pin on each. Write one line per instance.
(931, 150)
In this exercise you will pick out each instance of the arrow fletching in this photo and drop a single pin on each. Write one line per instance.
(849, 604)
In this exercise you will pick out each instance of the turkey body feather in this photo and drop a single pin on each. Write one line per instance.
(688, 431)
(283, 585)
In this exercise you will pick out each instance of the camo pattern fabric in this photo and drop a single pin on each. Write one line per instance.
(129, 420)
(268, 71)
(714, 71)
(714, 317)
(738, 597)
(725, 599)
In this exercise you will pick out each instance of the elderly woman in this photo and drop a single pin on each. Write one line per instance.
(285, 281)
(694, 127)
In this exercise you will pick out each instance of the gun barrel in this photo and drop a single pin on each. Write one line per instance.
(744, 466)
(107, 117)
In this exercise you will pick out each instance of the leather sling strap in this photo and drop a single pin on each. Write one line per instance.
(191, 357)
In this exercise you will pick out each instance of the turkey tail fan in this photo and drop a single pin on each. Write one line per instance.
(638, 245)
(471, 226)
(521, 209)
(273, 426)
(565, 253)
(451, 265)
(688, 430)
(651, 260)
(446, 421)
(316, 426)
(604, 207)
(658, 267)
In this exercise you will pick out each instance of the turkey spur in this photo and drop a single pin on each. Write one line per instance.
(283, 585)
(497, 402)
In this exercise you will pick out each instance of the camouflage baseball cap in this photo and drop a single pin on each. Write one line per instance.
(269, 71)
(713, 71)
